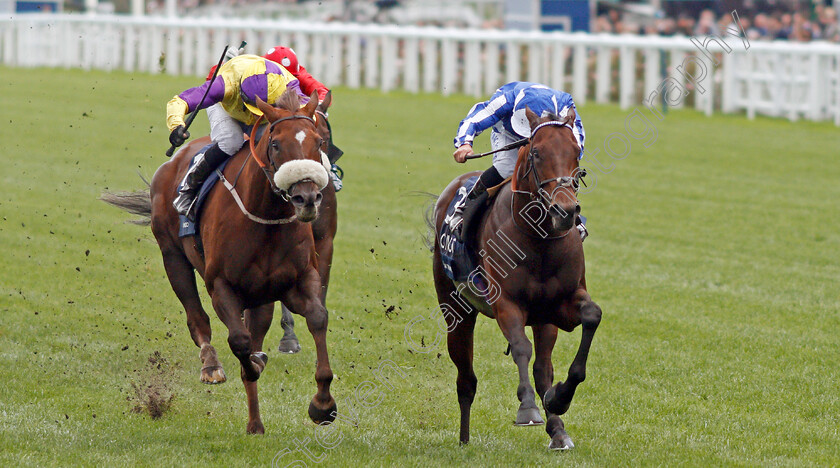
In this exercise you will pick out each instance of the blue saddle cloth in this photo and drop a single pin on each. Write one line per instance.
(186, 227)
(459, 259)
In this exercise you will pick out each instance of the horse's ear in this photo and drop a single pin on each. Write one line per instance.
(325, 104)
(309, 108)
(267, 109)
(570, 116)
(533, 119)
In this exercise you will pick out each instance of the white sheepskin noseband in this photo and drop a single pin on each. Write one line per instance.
(292, 172)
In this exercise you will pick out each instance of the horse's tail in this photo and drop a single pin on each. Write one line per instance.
(138, 202)
(429, 216)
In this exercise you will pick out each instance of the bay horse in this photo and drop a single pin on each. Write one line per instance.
(258, 247)
(532, 265)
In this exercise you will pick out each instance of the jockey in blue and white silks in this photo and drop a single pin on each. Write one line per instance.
(504, 112)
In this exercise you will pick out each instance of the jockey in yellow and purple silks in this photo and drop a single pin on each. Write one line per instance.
(239, 83)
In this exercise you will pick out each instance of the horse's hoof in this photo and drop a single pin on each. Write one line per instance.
(528, 417)
(319, 416)
(561, 442)
(290, 346)
(213, 375)
(256, 427)
(261, 356)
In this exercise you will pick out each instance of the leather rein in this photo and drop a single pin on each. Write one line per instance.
(265, 167)
(541, 195)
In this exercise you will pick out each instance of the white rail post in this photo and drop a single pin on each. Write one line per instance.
(430, 69)
(472, 67)
(449, 62)
(653, 76)
(677, 58)
(335, 59)
(579, 71)
(201, 54)
(603, 75)
(173, 56)
(730, 64)
(558, 66)
(411, 67)
(627, 76)
(354, 61)
(389, 63)
(513, 62)
(816, 94)
(371, 61)
(491, 66)
(535, 59)
(129, 48)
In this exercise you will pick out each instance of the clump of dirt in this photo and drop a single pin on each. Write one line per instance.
(152, 393)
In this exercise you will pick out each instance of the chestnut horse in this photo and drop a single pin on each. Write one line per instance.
(532, 268)
(258, 247)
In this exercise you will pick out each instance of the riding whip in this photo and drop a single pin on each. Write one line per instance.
(515, 144)
(191, 117)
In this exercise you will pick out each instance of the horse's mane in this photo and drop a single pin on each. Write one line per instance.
(289, 100)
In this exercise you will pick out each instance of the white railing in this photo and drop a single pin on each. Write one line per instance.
(771, 78)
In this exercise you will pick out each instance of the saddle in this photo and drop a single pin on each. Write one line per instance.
(459, 258)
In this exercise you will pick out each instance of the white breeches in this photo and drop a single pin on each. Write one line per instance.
(503, 161)
(225, 130)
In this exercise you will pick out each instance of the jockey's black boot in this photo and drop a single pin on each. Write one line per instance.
(184, 202)
(476, 200)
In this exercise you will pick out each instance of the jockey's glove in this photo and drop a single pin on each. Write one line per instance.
(232, 52)
(178, 136)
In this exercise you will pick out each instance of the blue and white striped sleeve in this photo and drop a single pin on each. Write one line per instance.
(483, 116)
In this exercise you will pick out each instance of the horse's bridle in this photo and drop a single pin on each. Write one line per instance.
(265, 167)
(541, 195)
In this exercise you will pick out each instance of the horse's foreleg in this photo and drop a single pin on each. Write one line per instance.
(544, 338)
(304, 299)
(558, 398)
(229, 308)
(181, 277)
(511, 320)
(257, 320)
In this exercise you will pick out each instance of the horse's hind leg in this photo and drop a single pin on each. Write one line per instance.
(460, 344)
(544, 338)
(289, 344)
(257, 320)
(182, 278)
(512, 322)
(558, 398)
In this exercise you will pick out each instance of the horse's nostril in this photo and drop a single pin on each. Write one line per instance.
(319, 197)
(298, 200)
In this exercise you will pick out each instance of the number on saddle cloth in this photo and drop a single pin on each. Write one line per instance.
(459, 259)
(185, 226)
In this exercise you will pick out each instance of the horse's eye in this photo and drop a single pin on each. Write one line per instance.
(274, 145)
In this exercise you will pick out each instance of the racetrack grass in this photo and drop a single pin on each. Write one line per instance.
(713, 253)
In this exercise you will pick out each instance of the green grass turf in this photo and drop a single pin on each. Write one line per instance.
(713, 253)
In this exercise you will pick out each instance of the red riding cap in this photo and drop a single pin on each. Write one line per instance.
(284, 56)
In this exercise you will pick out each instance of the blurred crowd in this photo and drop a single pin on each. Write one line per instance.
(791, 20)
(801, 26)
